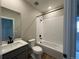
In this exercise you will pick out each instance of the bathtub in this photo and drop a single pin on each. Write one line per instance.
(52, 49)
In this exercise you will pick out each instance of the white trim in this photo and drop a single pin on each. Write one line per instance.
(73, 29)
(67, 18)
(13, 24)
(70, 24)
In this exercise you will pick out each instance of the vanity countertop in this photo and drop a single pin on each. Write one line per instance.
(5, 48)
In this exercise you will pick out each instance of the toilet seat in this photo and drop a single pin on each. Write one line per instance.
(37, 49)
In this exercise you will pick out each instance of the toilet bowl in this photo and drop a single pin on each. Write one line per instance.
(37, 50)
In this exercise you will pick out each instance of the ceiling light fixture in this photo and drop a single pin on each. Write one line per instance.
(50, 5)
(49, 8)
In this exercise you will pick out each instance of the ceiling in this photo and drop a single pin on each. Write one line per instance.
(46, 5)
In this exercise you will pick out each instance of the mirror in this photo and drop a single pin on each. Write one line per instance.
(11, 24)
(7, 28)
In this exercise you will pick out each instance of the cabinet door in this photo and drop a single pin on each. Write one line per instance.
(21, 56)
(14, 58)
(20, 53)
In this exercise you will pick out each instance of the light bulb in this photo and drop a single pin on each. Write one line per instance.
(49, 8)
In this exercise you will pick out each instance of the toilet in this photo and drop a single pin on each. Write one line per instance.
(37, 50)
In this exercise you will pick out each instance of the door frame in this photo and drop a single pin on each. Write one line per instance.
(70, 12)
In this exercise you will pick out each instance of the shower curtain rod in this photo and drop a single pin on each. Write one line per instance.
(51, 11)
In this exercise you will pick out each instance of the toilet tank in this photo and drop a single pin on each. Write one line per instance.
(32, 42)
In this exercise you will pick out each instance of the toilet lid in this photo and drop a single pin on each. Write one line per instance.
(37, 49)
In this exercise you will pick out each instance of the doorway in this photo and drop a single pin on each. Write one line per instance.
(77, 39)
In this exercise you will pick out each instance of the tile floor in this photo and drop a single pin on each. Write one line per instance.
(45, 56)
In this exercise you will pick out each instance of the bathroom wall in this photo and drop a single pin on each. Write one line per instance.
(53, 29)
(16, 18)
(28, 16)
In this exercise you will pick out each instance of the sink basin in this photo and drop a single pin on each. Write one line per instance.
(12, 45)
(15, 45)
